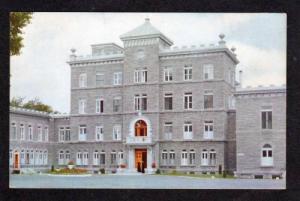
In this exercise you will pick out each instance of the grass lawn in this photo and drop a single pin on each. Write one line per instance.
(220, 176)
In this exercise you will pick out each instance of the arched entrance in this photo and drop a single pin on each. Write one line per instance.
(16, 164)
(140, 128)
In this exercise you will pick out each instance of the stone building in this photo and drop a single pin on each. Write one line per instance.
(144, 106)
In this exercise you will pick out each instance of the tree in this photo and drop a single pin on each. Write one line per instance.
(18, 20)
(34, 104)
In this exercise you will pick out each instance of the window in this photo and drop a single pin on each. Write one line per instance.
(266, 119)
(13, 131)
(41, 158)
(204, 157)
(40, 134)
(79, 158)
(10, 157)
(31, 157)
(208, 130)
(45, 157)
(61, 134)
(96, 157)
(67, 134)
(140, 128)
(267, 155)
(120, 157)
(168, 74)
(184, 156)
(61, 157)
(117, 78)
(187, 71)
(140, 76)
(212, 157)
(82, 80)
(99, 79)
(208, 72)
(99, 133)
(164, 157)
(82, 105)
(232, 78)
(192, 157)
(208, 99)
(117, 104)
(99, 105)
(36, 157)
(30, 134)
(140, 102)
(22, 132)
(117, 132)
(85, 160)
(102, 157)
(46, 134)
(113, 158)
(231, 102)
(23, 157)
(188, 100)
(168, 130)
(172, 157)
(169, 101)
(188, 131)
(68, 156)
(82, 133)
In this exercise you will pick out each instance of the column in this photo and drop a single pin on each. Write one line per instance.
(131, 159)
(149, 160)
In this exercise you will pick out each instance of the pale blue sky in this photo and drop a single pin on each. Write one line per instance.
(41, 70)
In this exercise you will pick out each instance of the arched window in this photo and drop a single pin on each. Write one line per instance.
(85, 158)
(113, 157)
(67, 156)
(212, 157)
(164, 157)
(121, 157)
(172, 157)
(102, 157)
(31, 159)
(96, 158)
(45, 157)
(192, 157)
(36, 157)
(61, 158)
(79, 158)
(140, 128)
(184, 156)
(10, 157)
(204, 157)
(22, 157)
(267, 155)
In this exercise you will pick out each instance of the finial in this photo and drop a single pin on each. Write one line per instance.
(221, 36)
(73, 50)
(233, 49)
(147, 19)
(222, 42)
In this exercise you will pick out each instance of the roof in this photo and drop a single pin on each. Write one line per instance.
(261, 89)
(145, 30)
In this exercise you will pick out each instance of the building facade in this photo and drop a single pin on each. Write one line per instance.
(144, 106)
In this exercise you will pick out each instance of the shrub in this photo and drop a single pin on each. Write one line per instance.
(157, 171)
(70, 171)
(114, 171)
(71, 163)
(52, 168)
(173, 172)
(153, 165)
(224, 173)
(102, 170)
(192, 172)
(220, 169)
(123, 166)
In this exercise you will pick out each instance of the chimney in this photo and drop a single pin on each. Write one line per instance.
(240, 77)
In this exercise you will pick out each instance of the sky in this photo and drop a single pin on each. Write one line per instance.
(41, 69)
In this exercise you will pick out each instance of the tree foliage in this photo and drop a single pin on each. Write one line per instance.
(18, 20)
(34, 104)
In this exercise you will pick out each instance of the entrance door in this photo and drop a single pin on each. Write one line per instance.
(141, 160)
(16, 161)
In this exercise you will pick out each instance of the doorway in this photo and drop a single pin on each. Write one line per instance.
(16, 160)
(141, 160)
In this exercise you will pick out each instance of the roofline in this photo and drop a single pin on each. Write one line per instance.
(260, 90)
(163, 37)
(104, 44)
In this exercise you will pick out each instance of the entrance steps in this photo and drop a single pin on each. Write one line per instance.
(28, 171)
